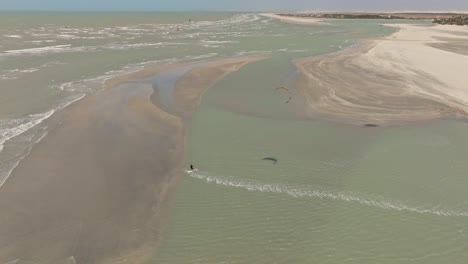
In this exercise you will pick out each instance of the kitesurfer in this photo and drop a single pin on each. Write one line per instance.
(287, 90)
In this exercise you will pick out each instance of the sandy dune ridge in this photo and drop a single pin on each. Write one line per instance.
(418, 73)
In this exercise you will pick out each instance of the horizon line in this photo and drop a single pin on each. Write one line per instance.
(245, 11)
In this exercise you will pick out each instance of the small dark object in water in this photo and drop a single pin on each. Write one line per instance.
(371, 125)
(272, 159)
(191, 167)
(286, 89)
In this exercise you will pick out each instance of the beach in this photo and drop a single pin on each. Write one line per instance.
(415, 74)
(104, 172)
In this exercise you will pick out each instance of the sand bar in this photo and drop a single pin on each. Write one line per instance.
(418, 73)
(95, 189)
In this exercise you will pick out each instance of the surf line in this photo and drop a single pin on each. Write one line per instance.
(297, 192)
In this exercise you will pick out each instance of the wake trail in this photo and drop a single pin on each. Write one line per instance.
(298, 192)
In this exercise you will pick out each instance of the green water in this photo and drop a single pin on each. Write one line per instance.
(338, 194)
(48, 60)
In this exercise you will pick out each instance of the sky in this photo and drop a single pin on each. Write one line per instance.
(234, 5)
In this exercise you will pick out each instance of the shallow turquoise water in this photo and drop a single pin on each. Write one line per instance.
(338, 194)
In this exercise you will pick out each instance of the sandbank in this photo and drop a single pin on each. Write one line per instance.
(418, 73)
(95, 189)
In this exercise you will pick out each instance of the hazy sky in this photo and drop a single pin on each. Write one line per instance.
(230, 5)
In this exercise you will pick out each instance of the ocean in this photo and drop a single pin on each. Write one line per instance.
(339, 193)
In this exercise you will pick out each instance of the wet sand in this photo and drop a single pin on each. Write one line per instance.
(95, 189)
(415, 74)
(452, 45)
(189, 101)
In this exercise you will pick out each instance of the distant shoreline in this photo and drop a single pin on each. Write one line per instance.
(373, 15)
(445, 18)
(320, 18)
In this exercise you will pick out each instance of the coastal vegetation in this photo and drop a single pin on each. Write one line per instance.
(461, 20)
(449, 17)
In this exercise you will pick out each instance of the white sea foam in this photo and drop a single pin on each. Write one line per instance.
(45, 50)
(252, 53)
(203, 56)
(13, 36)
(213, 26)
(317, 193)
(37, 42)
(291, 50)
(15, 74)
(85, 85)
(219, 41)
(38, 50)
(141, 45)
(67, 36)
(7, 168)
(11, 129)
(94, 84)
(41, 35)
(212, 46)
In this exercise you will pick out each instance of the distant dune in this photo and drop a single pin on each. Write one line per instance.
(370, 15)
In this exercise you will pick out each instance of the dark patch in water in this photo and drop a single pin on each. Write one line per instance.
(271, 159)
(371, 125)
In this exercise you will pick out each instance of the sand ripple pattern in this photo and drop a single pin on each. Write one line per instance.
(318, 193)
(386, 81)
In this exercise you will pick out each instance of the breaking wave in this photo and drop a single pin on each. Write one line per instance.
(43, 50)
(13, 129)
(15, 74)
(141, 45)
